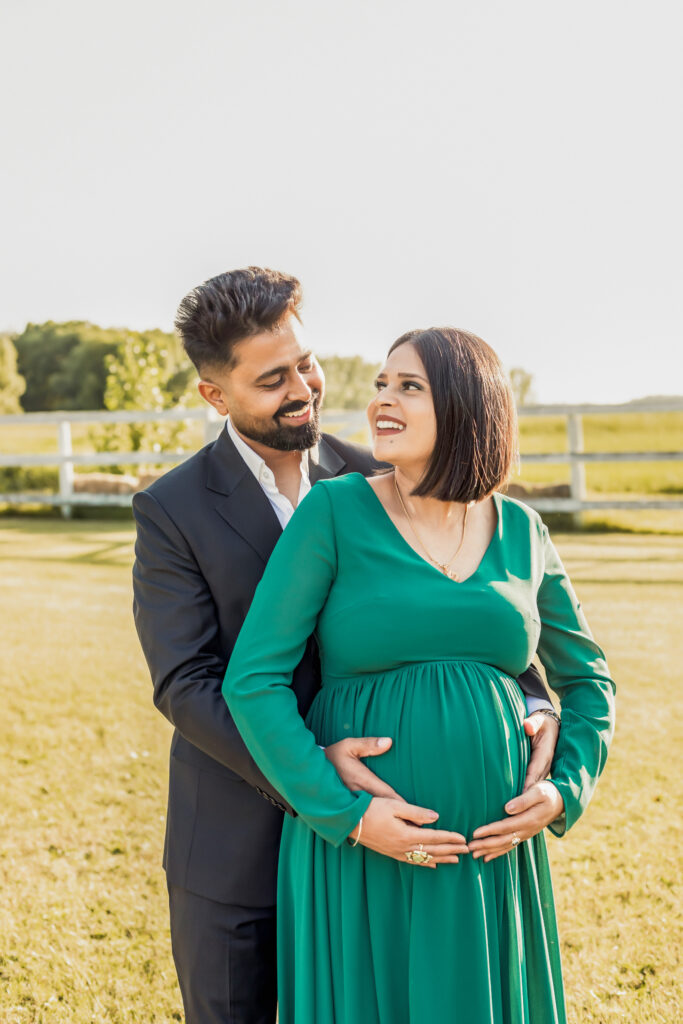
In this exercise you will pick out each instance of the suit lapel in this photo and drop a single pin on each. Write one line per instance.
(329, 463)
(238, 498)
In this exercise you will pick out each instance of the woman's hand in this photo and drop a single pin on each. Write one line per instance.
(529, 815)
(392, 828)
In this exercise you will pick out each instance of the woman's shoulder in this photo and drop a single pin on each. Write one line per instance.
(340, 487)
(516, 514)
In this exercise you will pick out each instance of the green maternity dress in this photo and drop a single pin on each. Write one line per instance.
(408, 653)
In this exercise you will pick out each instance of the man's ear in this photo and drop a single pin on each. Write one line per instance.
(212, 394)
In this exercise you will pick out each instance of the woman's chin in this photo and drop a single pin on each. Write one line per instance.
(383, 451)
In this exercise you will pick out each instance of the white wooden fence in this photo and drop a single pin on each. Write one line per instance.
(345, 423)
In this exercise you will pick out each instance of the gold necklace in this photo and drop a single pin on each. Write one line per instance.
(441, 566)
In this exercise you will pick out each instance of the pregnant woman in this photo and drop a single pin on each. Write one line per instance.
(428, 592)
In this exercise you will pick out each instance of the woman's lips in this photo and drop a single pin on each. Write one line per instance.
(386, 425)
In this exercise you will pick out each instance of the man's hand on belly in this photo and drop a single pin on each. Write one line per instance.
(345, 756)
(543, 732)
(529, 815)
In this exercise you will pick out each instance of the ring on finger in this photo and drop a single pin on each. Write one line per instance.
(419, 856)
(515, 839)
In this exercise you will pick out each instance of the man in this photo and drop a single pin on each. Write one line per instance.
(205, 532)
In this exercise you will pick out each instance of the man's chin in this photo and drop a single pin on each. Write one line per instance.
(296, 439)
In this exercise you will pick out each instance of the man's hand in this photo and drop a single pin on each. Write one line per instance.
(543, 731)
(392, 828)
(529, 815)
(345, 756)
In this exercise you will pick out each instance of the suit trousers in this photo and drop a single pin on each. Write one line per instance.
(225, 960)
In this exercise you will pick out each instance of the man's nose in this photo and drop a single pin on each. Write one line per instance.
(299, 390)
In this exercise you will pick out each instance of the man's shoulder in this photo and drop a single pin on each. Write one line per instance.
(182, 480)
(358, 457)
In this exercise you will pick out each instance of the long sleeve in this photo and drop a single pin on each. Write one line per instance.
(576, 670)
(257, 684)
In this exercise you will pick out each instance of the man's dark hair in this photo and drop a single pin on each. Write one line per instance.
(228, 308)
(476, 421)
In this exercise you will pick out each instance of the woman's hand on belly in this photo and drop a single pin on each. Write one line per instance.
(529, 814)
(392, 828)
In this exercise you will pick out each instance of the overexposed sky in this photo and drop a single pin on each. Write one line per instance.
(512, 168)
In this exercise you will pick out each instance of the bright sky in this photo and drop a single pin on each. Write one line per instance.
(511, 168)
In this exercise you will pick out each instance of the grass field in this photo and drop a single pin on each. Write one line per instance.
(83, 920)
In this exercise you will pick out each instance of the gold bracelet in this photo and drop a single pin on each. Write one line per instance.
(360, 829)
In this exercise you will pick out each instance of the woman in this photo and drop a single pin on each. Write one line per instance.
(429, 592)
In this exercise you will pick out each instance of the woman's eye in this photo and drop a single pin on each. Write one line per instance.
(411, 384)
(379, 384)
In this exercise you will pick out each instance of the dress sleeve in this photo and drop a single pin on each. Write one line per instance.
(257, 684)
(578, 673)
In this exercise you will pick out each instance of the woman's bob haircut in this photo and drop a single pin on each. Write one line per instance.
(476, 422)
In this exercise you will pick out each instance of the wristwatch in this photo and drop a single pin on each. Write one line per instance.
(550, 713)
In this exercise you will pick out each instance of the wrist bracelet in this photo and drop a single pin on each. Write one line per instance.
(550, 713)
(360, 829)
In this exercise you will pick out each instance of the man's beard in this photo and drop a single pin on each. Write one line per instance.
(287, 439)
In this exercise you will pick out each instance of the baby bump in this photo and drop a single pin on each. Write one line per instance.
(458, 743)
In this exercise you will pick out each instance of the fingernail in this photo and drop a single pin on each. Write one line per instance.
(476, 855)
(511, 807)
(433, 816)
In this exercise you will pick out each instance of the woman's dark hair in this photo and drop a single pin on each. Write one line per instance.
(476, 422)
(228, 308)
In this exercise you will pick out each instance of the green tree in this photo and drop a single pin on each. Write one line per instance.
(143, 375)
(522, 384)
(65, 364)
(12, 384)
(349, 381)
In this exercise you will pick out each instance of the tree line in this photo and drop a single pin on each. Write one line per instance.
(78, 365)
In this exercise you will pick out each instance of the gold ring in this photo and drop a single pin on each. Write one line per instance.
(515, 839)
(419, 856)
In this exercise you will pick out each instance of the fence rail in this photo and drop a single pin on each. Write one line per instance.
(345, 423)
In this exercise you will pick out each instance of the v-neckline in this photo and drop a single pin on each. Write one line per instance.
(497, 505)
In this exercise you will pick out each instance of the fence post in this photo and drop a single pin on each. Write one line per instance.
(577, 484)
(66, 467)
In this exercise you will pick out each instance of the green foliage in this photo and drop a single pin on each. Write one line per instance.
(65, 364)
(143, 375)
(348, 381)
(21, 479)
(12, 384)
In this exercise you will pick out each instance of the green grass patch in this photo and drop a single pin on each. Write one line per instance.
(83, 914)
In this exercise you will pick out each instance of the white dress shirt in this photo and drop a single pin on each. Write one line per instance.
(282, 506)
(284, 510)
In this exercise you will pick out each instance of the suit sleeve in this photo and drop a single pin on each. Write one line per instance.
(531, 684)
(176, 621)
(578, 673)
(257, 684)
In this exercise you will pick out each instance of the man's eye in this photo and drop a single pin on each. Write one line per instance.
(273, 384)
(306, 368)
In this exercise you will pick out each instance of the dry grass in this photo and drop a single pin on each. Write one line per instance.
(83, 920)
